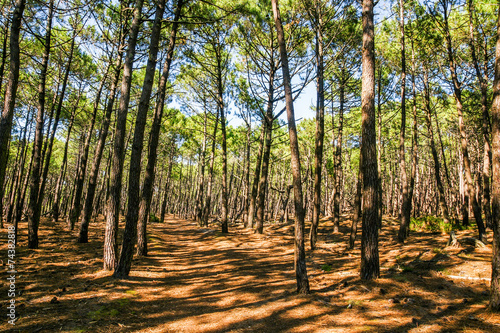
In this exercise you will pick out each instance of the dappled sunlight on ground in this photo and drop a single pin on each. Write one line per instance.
(200, 280)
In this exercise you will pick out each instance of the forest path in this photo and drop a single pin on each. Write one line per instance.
(200, 280)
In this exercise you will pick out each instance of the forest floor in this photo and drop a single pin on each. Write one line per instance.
(200, 280)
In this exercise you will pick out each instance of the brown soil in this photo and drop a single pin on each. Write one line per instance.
(199, 280)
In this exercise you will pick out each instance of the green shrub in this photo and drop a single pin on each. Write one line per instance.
(430, 223)
(153, 218)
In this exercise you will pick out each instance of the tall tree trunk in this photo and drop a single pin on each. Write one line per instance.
(10, 94)
(457, 92)
(320, 128)
(167, 182)
(113, 205)
(256, 177)
(268, 124)
(201, 172)
(221, 107)
(4, 52)
(134, 181)
(439, 183)
(300, 254)
(414, 147)
(154, 135)
(33, 206)
(208, 200)
(370, 268)
(50, 144)
(357, 205)
(338, 156)
(94, 172)
(483, 85)
(62, 172)
(495, 183)
(75, 210)
(405, 206)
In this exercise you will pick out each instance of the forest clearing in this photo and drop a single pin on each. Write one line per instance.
(201, 280)
(250, 165)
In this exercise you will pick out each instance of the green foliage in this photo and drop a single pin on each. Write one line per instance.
(326, 267)
(430, 223)
(153, 218)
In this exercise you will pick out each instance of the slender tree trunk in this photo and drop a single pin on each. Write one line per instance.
(256, 177)
(300, 254)
(370, 268)
(10, 94)
(201, 172)
(457, 92)
(167, 183)
(208, 201)
(62, 172)
(94, 172)
(113, 206)
(4, 53)
(33, 206)
(414, 148)
(495, 183)
(268, 124)
(75, 210)
(149, 178)
(405, 206)
(483, 84)
(439, 183)
(357, 205)
(134, 184)
(320, 130)
(338, 157)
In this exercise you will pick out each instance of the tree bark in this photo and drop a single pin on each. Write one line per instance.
(457, 92)
(113, 205)
(256, 177)
(10, 94)
(320, 128)
(62, 172)
(405, 206)
(33, 206)
(134, 182)
(88, 206)
(439, 183)
(495, 184)
(370, 268)
(300, 254)
(149, 178)
(75, 210)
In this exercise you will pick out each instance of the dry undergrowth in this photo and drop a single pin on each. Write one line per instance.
(199, 280)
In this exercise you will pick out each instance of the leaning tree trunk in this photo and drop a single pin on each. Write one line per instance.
(370, 268)
(457, 92)
(74, 212)
(134, 182)
(88, 206)
(62, 172)
(113, 205)
(439, 183)
(10, 94)
(495, 188)
(483, 84)
(33, 206)
(256, 177)
(149, 178)
(300, 254)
